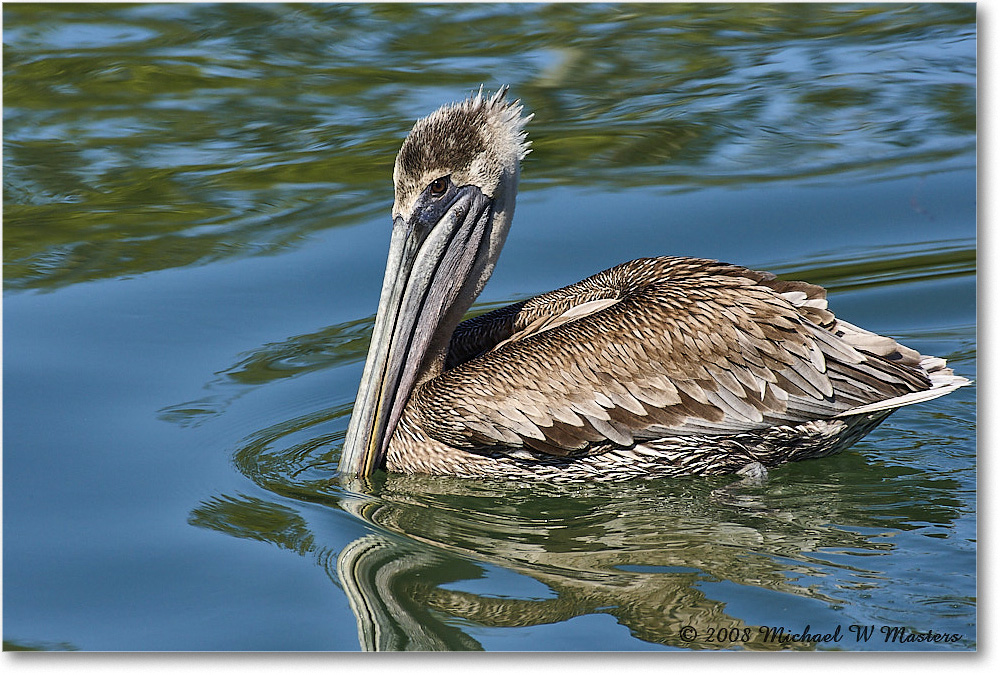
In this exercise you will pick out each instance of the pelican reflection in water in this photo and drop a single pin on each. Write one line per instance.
(657, 367)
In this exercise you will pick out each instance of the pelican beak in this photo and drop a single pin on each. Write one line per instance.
(431, 256)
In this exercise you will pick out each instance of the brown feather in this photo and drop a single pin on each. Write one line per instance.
(654, 355)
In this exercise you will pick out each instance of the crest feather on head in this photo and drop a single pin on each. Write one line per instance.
(476, 142)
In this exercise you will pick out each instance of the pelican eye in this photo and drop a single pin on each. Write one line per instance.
(439, 187)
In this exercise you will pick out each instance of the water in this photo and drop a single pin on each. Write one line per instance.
(196, 206)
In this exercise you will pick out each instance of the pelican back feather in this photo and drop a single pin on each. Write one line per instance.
(663, 347)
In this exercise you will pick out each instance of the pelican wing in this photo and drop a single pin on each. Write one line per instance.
(657, 347)
(520, 320)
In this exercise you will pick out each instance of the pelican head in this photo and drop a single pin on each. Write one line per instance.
(455, 183)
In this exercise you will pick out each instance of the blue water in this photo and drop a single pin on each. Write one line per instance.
(196, 216)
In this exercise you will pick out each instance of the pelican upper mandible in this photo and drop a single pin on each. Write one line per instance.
(656, 367)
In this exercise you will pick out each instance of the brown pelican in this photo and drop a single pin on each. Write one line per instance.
(656, 367)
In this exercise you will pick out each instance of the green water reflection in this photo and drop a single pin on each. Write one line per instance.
(155, 136)
(647, 554)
